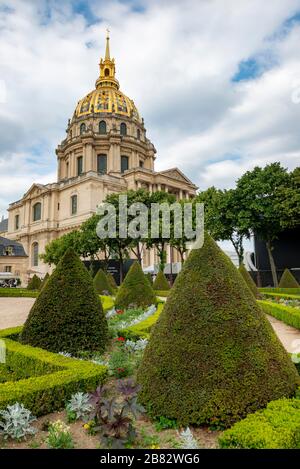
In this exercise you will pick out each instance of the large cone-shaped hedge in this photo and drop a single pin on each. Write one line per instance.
(212, 356)
(249, 280)
(102, 284)
(67, 316)
(160, 282)
(34, 283)
(135, 289)
(288, 280)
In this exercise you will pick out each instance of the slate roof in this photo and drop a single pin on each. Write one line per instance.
(16, 248)
(4, 225)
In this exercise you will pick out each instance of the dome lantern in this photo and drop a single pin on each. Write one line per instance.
(107, 69)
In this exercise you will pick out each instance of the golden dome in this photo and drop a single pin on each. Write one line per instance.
(107, 98)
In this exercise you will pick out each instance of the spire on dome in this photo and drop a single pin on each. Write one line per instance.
(107, 52)
(107, 69)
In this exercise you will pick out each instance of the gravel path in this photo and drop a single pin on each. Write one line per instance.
(14, 311)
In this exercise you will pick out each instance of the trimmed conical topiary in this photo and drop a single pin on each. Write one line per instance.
(160, 282)
(102, 284)
(44, 281)
(288, 280)
(249, 280)
(111, 280)
(149, 278)
(135, 289)
(212, 357)
(67, 316)
(34, 283)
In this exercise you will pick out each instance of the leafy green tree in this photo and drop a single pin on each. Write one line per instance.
(221, 209)
(265, 196)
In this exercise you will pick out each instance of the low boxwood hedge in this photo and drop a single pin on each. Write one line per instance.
(288, 291)
(142, 329)
(163, 293)
(287, 314)
(107, 302)
(276, 427)
(53, 378)
(18, 292)
(285, 296)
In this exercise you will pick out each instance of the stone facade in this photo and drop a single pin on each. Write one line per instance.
(105, 151)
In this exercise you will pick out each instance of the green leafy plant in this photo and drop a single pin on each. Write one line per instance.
(161, 282)
(79, 406)
(135, 290)
(35, 283)
(119, 363)
(187, 440)
(163, 423)
(16, 422)
(59, 436)
(102, 284)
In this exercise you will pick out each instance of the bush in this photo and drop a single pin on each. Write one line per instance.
(101, 283)
(287, 314)
(149, 278)
(212, 356)
(67, 315)
(276, 427)
(142, 329)
(286, 291)
(44, 281)
(49, 380)
(18, 293)
(281, 295)
(111, 280)
(160, 282)
(249, 280)
(135, 290)
(288, 280)
(35, 283)
(107, 302)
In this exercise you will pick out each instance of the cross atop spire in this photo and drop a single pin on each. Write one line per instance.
(107, 52)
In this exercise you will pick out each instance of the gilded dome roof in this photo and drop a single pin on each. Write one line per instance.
(107, 100)
(107, 97)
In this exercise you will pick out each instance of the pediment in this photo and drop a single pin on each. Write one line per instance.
(35, 190)
(175, 173)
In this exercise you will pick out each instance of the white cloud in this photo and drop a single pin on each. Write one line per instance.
(175, 59)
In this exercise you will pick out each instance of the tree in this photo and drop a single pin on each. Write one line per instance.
(249, 280)
(288, 280)
(102, 284)
(135, 290)
(67, 316)
(212, 356)
(55, 250)
(35, 283)
(221, 209)
(265, 194)
(111, 280)
(160, 282)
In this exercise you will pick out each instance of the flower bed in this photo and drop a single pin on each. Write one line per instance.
(277, 426)
(46, 379)
(142, 329)
(287, 314)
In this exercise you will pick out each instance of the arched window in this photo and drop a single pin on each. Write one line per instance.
(79, 166)
(102, 127)
(138, 134)
(35, 254)
(37, 211)
(73, 204)
(123, 129)
(82, 128)
(106, 72)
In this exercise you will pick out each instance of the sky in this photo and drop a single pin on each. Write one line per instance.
(217, 82)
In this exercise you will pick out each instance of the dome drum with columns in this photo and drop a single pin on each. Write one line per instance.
(105, 151)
